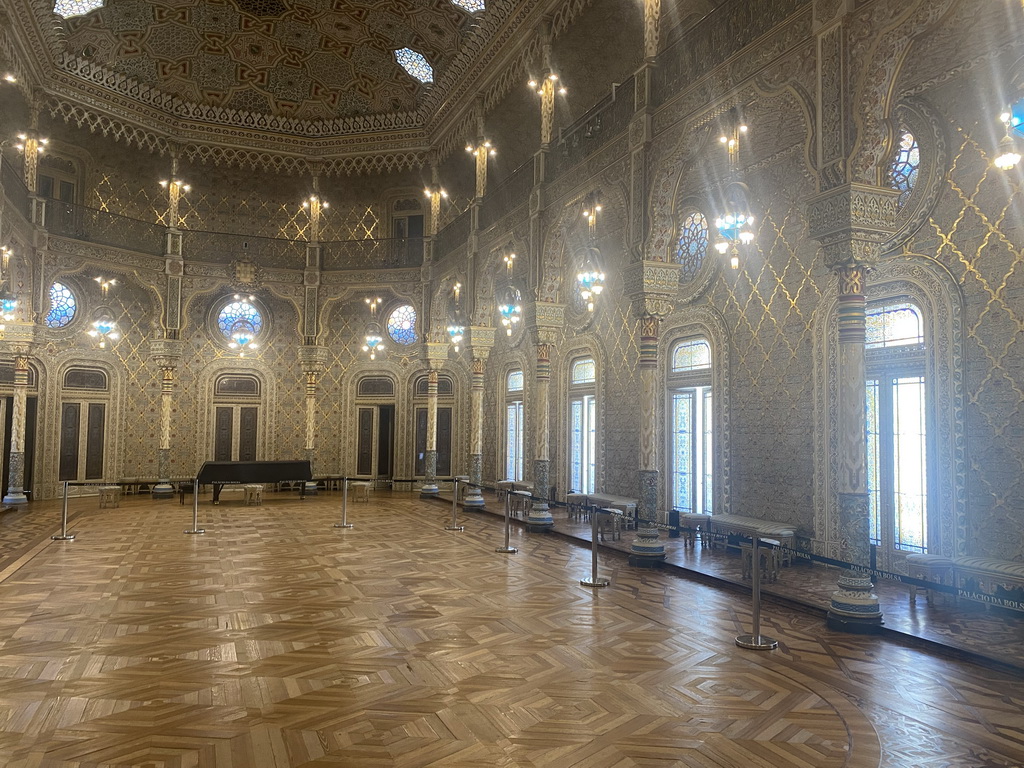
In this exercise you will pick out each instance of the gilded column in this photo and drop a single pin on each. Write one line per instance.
(648, 372)
(652, 29)
(480, 341)
(313, 361)
(16, 468)
(430, 488)
(166, 353)
(540, 516)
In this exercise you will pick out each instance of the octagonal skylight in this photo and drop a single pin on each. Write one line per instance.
(67, 8)
(470, 5)
(414, 63)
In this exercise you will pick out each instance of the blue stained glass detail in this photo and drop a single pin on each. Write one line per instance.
(893, 325)
(515, 381)
(402, 325)
(473, 6)
(903, 171)
(692, 246)
(415, 64)
(62, 306)
(239, 315)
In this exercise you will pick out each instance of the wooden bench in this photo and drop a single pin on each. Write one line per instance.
(933, 568)
(740, 525)
(989, 576)
(576, 502)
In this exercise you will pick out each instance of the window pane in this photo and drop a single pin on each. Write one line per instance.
(691, 356)
(591, 430)
(706, 452)
(62, 306)
(415, 64)
(894, 324)
(584, 372)
(903, 171)
(402, 325)
(682, 450)
(239, 315)
(692, 245)
(874, 462)
(576, 446)
(909, 475)
(512, 441)
(515, 381)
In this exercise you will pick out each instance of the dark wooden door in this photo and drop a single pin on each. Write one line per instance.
(94, 441)
(222, 434)
(70, 420)
(247, 431)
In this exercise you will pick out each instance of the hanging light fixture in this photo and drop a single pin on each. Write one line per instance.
(8, 301)
(735, 223)
(373, 342)
(243, 336)
(591, 276)
(104, 330)
(1009, 154)
(510, 304)
(456, 326)
(105, 284)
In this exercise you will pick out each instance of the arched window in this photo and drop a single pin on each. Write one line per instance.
(904, 167)
(897, 451)
(691, 427)
(402, 325)
(582, 425)
(62, 306)
(415, 64)
(514, 425)
(692, 246)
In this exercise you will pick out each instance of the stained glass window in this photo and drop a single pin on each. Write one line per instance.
(415, 64)
(470, 5)
(62, 306)
(894, 324)
(584, 372)
(237, 315)
(903, 171)
(515, 381)
(691, 356)
(402, 324)
(68, 8)
(693, 244)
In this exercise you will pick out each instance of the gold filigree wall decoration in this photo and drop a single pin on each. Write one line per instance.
(975, 233)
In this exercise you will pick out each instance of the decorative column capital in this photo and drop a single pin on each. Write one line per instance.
(312, 358)
(481, 340)
(166, 352)
(852, 222)
(545, 321)
(435, 354)
(651, 285)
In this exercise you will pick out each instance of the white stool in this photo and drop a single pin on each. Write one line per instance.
(360, 490)
(253, 494)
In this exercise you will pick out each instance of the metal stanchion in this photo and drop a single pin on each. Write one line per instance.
(344, 506)
(593, 581)
(64, 535)
(455, 502)
(508, 525)
(756, 641)
(195, 509)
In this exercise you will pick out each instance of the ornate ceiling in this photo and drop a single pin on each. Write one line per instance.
(305, 59)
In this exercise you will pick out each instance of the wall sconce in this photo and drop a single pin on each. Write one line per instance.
(546, 83)
(105, 284)
(1009, 154)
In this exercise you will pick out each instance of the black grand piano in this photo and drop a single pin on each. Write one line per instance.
(222, 473)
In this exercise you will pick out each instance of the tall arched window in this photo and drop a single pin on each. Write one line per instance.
(582, 425)
(514, 425)
(897, 452)
(691, 426)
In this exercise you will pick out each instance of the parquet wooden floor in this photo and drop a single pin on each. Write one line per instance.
(278, 640)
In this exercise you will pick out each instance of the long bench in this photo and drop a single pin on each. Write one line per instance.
(740, 525)
(983, 576)
(575, 503)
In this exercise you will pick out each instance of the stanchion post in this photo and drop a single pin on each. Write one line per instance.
(64, 535)
(756, 641)
(593, 581)
(344, 506)
(508, 550)
(455, 501)
(195, 509)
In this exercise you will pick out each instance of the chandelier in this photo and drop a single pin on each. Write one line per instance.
(373, 342)
(510, 305)
(735, 223)
(104, 330)
(456, 326)
(243, 336)
(8, 301)
(591, 276)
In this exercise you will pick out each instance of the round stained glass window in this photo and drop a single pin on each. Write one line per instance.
(903, 171)
(62, 306)
(239, 314)
(402, 324)
(693, 244)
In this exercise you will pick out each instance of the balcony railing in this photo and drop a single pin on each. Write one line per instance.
(454, 235)
(94, 226)
(224, 247)
(15, 189)
(391, 253)
(513, 192)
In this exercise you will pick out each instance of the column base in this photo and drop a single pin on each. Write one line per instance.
(429, 491)
(15, 497)
(646, 551)
(473, 498)
(539, 520)
(854, 607)
(162, 490)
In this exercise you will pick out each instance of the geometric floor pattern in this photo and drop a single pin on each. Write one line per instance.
(276, 640)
